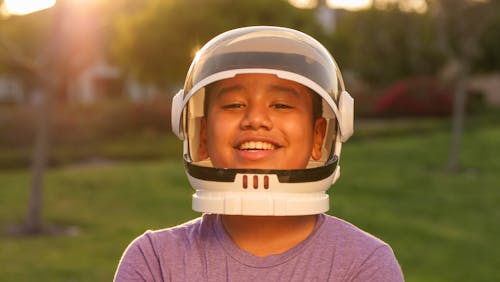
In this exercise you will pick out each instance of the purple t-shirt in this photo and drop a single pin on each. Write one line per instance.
(201, 250)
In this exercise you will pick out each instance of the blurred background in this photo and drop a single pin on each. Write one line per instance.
(88, 162)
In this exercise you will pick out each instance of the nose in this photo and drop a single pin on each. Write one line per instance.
(256, 117)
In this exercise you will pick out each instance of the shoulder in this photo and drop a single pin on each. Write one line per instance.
(158, 239)
(145, 255)
(350, 235)
(373, 258)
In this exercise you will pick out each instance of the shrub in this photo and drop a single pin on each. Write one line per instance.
(82, 123)
(418, 96)
(77, 130)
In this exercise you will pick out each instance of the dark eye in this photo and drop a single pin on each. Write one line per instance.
(281, 106)
(233, 106)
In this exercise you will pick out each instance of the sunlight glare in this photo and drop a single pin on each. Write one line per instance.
(23, 7)
(353, 5)
(303, 4)
(344, 4)
(350, 4)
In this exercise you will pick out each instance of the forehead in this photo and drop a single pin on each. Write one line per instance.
(258, 82)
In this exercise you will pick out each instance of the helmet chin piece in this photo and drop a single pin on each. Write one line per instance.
(290, 55)
(261, 192)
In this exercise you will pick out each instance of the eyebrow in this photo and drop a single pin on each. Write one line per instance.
(274, 87)
(287, 89)
(224, 90)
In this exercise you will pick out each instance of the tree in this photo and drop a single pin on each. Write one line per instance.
(459, 26)
(48, 54)
(20, 43)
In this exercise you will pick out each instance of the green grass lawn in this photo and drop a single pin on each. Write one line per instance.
(442, 226)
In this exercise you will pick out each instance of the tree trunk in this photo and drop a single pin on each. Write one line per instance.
(48, 78)
(33, 222)
(458, 117)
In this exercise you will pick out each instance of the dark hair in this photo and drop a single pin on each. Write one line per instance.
(317, 102)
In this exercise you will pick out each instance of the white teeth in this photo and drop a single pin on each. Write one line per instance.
(256, 145)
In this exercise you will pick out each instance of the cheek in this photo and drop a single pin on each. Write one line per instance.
(215, 135)
(220, 129)
(299, 128)
(219, 141)
(300, 138)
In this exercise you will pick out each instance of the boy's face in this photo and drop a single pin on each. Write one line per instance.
(260, 121)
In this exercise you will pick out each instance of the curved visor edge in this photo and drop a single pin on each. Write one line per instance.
(280, 73)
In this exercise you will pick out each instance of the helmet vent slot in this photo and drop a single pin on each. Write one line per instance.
(255, 182)
(245, 182)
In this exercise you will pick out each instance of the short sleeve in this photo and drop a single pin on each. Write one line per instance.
(139, 262)
(380, 266)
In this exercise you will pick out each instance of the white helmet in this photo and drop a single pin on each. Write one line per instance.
(290, 55)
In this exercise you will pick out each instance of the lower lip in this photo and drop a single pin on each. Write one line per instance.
(254, 155)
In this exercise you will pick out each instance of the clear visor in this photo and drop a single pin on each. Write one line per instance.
(287, 53)
(264, 48)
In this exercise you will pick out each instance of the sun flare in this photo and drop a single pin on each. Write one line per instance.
(345, 4)
(408, 5)
(350, 4)
(22, 7)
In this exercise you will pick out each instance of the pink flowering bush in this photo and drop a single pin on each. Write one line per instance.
(418, 96)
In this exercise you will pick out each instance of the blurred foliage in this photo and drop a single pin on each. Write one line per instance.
(159, 42)
(22, 38)
(156, 40)
(461, 23)
(385, 45)
(381, 45)
(57, 43)
(28, 32)
(489, 58)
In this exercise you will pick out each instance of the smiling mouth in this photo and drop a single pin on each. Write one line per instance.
(256, 145)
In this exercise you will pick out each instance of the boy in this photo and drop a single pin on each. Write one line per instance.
(262, 114)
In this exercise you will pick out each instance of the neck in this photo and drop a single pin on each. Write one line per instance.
(268, 235)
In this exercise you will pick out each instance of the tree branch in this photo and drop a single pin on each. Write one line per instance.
(12, 56)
